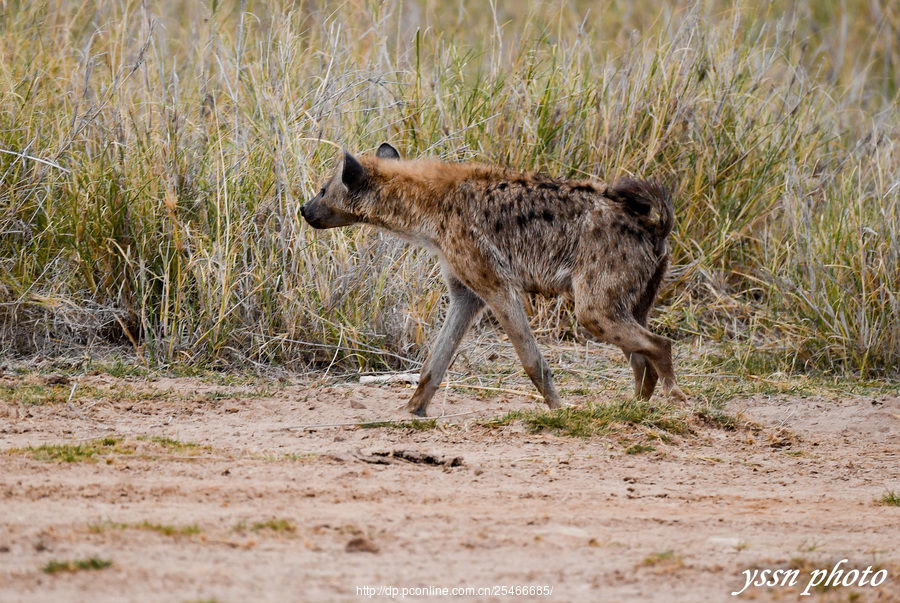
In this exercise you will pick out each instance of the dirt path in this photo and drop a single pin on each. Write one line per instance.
(202, 494)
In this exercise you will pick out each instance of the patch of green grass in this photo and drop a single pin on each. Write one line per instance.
(223, 375)
(298, 456)
(662, 436)
(169, 530)
(77, 453)
(715, 391)
(146, 525)
(118, 367)
(275, 525)
(99, 528)
(221, 395)
(77, 565)
(720, 418)
(665, 558)
(727, 378)
(639, 448)
(89, 451)
(420, 424)
(414, 424)
(737, 357)
(39, 394)
(31, 394)
(891, 498)
(124, 392)
(172, 445)
(380, 425)
(598, 419)
(242, 394)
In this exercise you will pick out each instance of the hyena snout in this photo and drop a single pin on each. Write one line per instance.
(319, 215)
(303, 210)
(312, 213)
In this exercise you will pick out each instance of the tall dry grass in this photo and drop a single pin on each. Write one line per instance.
(153, 156)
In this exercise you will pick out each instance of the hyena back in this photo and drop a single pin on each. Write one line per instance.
(499, 234)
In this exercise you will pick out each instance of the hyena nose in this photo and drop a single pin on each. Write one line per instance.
(303, 211)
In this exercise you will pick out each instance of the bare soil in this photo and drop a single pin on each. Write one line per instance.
(263, 507)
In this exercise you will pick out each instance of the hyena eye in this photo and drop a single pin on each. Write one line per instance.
(322, 192)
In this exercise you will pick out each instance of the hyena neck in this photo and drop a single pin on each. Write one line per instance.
(412, 198)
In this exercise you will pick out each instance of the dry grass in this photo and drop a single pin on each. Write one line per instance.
(154, 156)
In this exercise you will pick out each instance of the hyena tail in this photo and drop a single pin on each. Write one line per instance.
(649, 202)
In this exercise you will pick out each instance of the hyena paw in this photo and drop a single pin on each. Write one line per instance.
(417, 409)
(677, 395)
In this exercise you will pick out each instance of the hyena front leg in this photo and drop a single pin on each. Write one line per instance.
(464, 309)
(510, 313)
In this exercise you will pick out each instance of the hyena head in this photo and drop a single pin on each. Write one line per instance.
(340, 202)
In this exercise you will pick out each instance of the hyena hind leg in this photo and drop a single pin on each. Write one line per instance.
(650, 354)
(645, 376)
(465, 307)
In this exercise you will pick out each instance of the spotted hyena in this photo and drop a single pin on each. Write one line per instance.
(499, 234)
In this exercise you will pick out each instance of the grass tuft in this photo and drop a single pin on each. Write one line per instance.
(664, 562)
(275, 525)
(77, 453)
(720, 418)
(414, 424)
(639, 448)
(891, 499)
(176, 446)
(598, 419)
(167, 530)
(93, 563)
(89, 451)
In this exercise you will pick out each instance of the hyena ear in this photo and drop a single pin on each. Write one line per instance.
(352, 172)
(386, 151)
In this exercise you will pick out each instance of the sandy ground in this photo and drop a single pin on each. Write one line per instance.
(260, 512)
